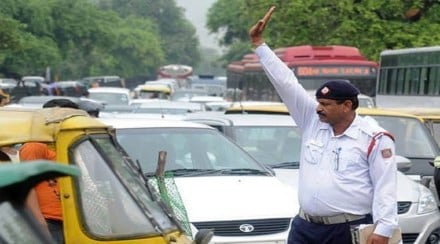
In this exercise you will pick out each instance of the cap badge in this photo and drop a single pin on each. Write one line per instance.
(325, 90)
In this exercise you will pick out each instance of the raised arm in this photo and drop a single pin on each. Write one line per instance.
(256, 31)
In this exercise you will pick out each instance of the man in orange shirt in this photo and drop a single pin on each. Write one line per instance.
(44, 200)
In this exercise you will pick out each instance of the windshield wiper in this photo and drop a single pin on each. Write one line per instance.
(285, 165)
(188, 172)
(244, 171)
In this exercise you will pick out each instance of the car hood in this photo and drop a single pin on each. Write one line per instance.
(218, 198)
(407, 189)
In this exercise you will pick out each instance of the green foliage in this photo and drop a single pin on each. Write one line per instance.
(93, 37)
(10, 33)
(178, 36)
(372, 25)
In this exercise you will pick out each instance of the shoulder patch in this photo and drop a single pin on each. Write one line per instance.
(374, 139)
(386, 153)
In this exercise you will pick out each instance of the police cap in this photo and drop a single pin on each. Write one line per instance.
(337, 90)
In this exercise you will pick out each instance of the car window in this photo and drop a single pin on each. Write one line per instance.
(411, 136)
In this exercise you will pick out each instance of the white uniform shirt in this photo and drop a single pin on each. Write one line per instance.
(335, 175)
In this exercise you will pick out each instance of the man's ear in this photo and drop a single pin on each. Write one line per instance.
(348, 104)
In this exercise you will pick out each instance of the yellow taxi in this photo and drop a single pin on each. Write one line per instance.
(110, 201)
(431, 117)
(153, 91)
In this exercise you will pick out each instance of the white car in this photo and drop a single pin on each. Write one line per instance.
(221, 186)
(275, 141)
(110, 95)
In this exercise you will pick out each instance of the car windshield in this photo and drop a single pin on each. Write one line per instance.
(186, 95)
(190, 151)
(275, 146)
(110, 98)
(114, 201)
(411, 136)
(153, 95)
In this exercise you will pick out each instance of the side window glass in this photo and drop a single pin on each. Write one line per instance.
(107, 208)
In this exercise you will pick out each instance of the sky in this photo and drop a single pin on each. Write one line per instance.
(195, 12)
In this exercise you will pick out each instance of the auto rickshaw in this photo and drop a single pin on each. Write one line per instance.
(110, 202)
(17, 224)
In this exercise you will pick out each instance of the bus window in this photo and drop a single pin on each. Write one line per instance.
(409, 77)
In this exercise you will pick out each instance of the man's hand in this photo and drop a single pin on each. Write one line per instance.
(256, 31)
(377, 239)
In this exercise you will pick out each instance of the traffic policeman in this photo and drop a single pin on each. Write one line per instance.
(348, 173)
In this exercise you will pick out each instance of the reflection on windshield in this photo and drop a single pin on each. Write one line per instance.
(186, 149)
(271, 145)
(411, 136)
(108, 208)
(110, 98)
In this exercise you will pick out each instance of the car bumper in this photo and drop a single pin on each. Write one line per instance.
(279, 238)
(417, 228)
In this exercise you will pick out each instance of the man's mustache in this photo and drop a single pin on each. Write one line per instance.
(320, 113)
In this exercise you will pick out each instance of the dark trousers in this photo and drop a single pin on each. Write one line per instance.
(56, 230)
(304, 232)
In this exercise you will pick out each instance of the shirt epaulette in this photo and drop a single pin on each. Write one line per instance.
(376, 136)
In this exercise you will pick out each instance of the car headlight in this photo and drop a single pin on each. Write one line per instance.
(427, 201)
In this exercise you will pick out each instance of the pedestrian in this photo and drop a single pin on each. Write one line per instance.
(44, 200)
(348, 173)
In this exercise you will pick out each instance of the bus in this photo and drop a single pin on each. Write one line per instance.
(312, 65)
(409, 77)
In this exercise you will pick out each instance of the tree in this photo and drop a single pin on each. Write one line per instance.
(372, 25)
(177, 34)
(75, 39)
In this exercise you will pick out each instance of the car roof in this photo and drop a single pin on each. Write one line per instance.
(127, 123)
(24, 125)
(154, 87)
(385, 112)
(198, 98)
(423, 112)
(258, 107)
(243, 119)
(109, 89)
(281, 108)
(170, 104)
(43, 99)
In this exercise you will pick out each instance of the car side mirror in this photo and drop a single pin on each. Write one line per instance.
(403, 164)
(203, 236)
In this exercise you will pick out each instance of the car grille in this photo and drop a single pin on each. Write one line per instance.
(403, 207)
(409, 238)
(232, 228)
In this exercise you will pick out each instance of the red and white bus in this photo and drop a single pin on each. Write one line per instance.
(312, 65)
